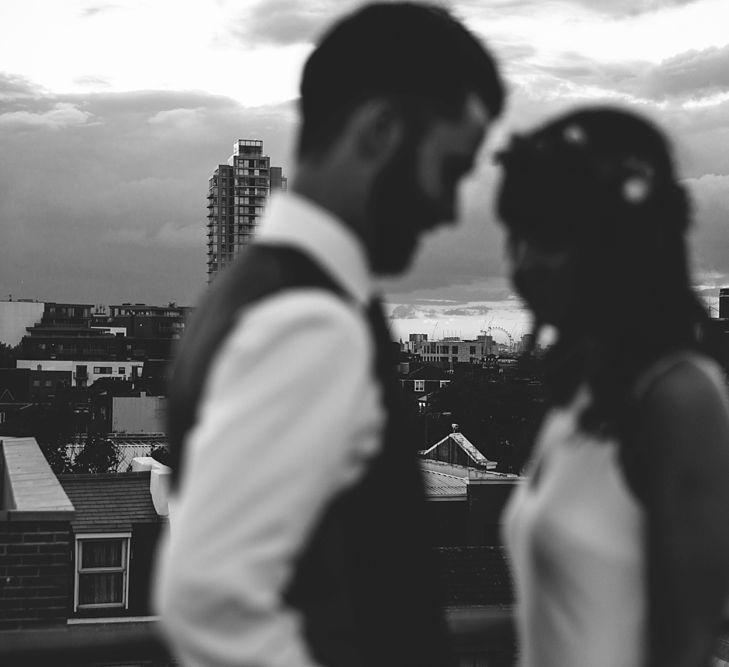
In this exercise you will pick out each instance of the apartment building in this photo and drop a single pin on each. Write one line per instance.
(237, 195)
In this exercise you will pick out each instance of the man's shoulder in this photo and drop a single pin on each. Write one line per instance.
(262, 270)
(302, 311)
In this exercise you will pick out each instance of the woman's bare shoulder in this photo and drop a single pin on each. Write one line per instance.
(683, 419)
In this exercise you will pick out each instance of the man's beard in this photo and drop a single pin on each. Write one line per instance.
(397, 214)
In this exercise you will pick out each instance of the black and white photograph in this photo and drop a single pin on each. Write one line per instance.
(377, 333)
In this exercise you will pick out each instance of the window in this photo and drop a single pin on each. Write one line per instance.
(419, 385)
(48, 383)
(454, 349)
(36, 383)
(39, 367)
(122, 370)
(103, 370)
(102, 567)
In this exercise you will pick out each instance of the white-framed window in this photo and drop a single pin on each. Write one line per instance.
(419, 385)
(102, 571)
(444, 383)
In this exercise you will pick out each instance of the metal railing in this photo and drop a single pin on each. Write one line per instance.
(84, 645)
(482, 636)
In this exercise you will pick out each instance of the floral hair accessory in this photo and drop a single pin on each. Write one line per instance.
(575, 135)
(638, 185)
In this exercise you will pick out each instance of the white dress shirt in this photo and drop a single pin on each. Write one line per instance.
(289, 415)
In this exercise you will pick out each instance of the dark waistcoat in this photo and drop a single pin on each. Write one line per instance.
(366, 583)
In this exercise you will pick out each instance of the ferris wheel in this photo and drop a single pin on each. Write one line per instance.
(492, 328)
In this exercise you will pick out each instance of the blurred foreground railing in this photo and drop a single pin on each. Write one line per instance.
(82, 645)
(482, 637)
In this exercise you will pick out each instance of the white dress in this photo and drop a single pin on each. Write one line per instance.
(574, 535)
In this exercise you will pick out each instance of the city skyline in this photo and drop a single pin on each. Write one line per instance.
(112, 116)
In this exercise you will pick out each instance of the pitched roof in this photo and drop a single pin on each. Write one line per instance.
(443, 485)
(450, 481)
(109, 502)
(467, 446)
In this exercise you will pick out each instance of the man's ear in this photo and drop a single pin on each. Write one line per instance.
(377, 129)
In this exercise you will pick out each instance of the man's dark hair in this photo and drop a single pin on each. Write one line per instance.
(410, 51)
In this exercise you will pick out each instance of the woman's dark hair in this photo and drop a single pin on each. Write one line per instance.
(408, 51)
(600, 183)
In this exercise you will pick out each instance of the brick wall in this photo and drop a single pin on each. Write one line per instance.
(36, 575)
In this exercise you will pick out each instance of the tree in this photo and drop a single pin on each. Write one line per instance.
(98, 455)
(50, 425)
(8, 355)
(161, 453)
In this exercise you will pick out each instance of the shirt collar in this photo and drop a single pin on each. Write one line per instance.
(293, 220)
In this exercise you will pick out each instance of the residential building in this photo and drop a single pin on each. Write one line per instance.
(138, 320)
(86, 373)
(724, 303)
(457, 449)
(237, 195)
(30, 385)
(452, 350)
(86, 333)
(78, 550)
(423, 379)
(463, 511)
(118, 408)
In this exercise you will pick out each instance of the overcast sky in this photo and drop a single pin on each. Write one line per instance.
(113, 115)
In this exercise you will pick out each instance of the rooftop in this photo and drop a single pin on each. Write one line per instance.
(110, 502)
(30, 490)
(443, 485)
(466, 446)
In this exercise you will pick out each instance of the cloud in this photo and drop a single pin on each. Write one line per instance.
(286, 22)
(691, 75)
(710, 234)
(473, 311)
(14, 88)
(694, 74)
(612, 8)
(91, 81)
(169, 235)
(621, 8)
(121, 212)
(177, 118)
(467, 321)
(411, 312)
(62, 114)
(95, 10)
